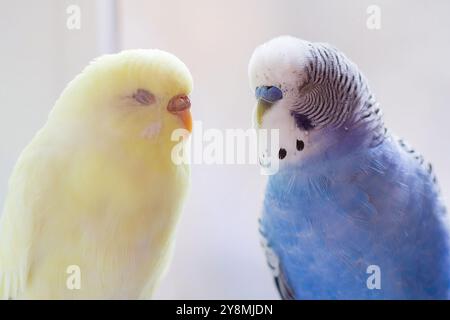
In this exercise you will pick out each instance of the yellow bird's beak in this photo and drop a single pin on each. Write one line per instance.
(261, 109)
(180, 105)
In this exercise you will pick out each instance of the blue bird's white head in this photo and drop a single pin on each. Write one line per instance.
(315, 96)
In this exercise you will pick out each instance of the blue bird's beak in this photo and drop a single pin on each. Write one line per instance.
(266, 96)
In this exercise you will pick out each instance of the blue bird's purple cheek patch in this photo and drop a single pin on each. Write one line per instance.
(302, 121)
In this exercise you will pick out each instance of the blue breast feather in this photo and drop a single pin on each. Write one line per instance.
(328, 222)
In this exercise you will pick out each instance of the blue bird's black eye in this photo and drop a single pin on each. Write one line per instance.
(269, 93)
(282, 153)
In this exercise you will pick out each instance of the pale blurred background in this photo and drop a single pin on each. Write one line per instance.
(218, 254)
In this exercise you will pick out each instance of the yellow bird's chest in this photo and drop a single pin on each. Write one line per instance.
(108, 230)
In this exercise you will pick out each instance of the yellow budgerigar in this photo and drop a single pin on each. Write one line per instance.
(95, 198)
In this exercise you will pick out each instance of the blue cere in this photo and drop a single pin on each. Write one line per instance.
(269, 93)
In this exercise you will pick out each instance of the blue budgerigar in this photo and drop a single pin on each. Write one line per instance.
(353, 212)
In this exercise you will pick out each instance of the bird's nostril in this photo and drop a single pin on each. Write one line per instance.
(274, 94)
(258, 92)
(269, 93)
(179, 103)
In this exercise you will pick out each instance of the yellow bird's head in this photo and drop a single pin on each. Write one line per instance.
(136, 95)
